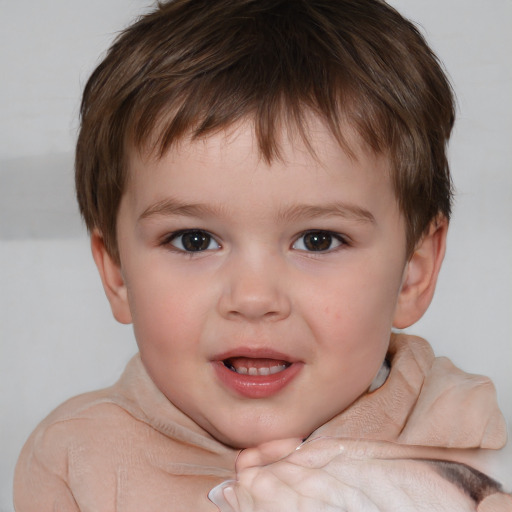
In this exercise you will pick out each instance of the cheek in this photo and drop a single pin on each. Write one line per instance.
(164, 314)
(353, 319)
(358, 301)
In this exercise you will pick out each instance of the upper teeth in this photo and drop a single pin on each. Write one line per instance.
(260, 371)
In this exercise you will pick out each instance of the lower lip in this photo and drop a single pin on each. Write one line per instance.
(256, 386)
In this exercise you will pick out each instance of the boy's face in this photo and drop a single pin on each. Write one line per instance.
(262, 296)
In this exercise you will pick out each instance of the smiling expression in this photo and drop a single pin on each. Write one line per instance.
(262, 295)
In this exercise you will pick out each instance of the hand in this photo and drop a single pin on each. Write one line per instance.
(333, 475)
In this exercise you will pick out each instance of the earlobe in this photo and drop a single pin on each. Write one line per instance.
(420, 276)
(112, 279)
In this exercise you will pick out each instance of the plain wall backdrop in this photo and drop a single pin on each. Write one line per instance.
(57, 337)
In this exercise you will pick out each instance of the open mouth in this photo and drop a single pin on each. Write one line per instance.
(254, 367)
(256, 374)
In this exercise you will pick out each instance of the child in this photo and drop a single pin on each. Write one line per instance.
(267, 192)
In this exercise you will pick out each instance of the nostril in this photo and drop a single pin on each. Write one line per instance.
(253, 295)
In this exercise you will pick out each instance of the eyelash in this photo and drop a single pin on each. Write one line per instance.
(208, 238)
(321, 235)
(331, 236)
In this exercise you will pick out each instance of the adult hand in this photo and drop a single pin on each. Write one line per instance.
(335, 475)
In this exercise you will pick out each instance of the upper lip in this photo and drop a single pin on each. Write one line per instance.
(255, 353)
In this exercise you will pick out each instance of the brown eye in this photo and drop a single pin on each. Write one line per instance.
(318, 241)
(194, 241)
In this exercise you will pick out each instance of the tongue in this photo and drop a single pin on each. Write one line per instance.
(249, 362)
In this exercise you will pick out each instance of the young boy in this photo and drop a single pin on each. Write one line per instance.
(267, 192)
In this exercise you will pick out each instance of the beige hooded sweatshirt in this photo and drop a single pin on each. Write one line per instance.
(128, 449)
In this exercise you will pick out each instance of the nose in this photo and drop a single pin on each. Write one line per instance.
(254, 290)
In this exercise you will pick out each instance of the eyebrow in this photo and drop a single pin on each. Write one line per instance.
(172, 207)
(345, 210)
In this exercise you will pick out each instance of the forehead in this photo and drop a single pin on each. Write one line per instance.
(310, 143)
(226, 171)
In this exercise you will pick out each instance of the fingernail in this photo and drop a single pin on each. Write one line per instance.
(230, 497)
(218, 496)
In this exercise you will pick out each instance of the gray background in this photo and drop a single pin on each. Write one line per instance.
(57, 337)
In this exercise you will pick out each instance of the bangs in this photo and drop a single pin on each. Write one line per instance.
(194, 67)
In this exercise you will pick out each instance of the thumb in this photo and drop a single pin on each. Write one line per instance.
(266, 453)
(224, 497)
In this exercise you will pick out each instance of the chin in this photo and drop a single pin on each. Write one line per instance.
(250, 437)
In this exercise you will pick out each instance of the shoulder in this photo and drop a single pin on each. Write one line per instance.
(48, 460)
(85, 423)
(453, 408)
(114, 444)
(71, 420)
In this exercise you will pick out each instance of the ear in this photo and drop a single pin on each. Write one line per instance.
(112, 279)
(420, 275)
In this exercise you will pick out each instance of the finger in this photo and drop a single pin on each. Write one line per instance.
(266, 491)
(352, 486)
(322, 487)
(223, 497)
(266, 453)
(498, 502)
(321, 451)
(401, 484)
(258, 490)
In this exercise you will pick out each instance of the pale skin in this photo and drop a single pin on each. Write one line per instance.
(333, 475)
(297, 267)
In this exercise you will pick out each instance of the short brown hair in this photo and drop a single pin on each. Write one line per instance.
(192, 67)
